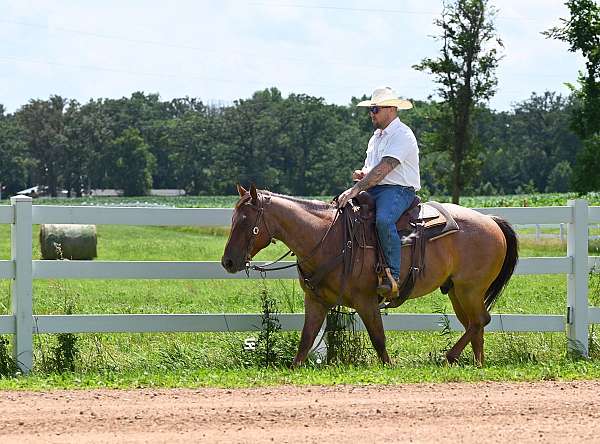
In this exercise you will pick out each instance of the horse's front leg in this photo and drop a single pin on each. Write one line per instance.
(368, 310)
(314, 315)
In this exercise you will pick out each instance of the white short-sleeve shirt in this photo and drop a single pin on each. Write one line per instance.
(398, 141)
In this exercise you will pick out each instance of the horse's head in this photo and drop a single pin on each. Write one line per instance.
(249, 231)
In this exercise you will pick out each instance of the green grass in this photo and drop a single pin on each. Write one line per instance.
(333, 375)
(205, 359)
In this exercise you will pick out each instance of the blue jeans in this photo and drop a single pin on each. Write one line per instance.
(391, 201)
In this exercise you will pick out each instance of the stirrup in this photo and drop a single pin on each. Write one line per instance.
(388, 285)
(387, 289)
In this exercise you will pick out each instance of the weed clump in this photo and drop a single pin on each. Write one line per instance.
(64, 354)
(272, 347)
(345, 344)
(594, 300)
(8, 366)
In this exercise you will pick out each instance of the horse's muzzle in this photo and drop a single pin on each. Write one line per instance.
(229, 265)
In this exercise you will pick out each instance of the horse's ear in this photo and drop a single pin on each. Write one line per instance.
(253, 193)
(241, 190)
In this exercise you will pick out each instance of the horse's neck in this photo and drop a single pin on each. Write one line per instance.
(298, 227)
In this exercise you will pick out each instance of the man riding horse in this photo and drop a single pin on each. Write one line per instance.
(390, 174)
(337, 258)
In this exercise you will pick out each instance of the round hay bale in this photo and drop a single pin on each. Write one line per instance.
(68, 241)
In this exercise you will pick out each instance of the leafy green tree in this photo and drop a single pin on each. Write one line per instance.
(586, 177)
(44, 125)
(90, 134)
(582, 32)
(146, 112)
(253, 135)
(560, 178)
(309, 126)
(526, 143)
(193, 141)
(334, 159)
(465, 71)
(133, 163)
(13, 163)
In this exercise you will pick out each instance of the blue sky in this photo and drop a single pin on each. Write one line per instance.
(223, 50)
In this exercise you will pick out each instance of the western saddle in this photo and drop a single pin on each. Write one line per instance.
(420, 223)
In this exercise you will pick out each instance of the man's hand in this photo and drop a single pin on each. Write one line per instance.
(358, 175)
(367, 181)
(345, 197)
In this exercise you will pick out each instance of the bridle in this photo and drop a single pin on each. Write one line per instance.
(260, 204)
(312, 281)
(263, 269)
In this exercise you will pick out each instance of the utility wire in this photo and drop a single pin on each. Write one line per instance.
(246, 55)
(377, 10)
(195, 48)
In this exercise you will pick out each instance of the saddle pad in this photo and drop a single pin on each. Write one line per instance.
(429, 212)
(435, 227)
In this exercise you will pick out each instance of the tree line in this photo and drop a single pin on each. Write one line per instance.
(297, 144)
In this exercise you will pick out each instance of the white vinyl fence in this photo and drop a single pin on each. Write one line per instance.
(22, 269)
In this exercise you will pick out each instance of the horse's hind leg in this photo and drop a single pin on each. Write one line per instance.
(477, 344)
(474, 316)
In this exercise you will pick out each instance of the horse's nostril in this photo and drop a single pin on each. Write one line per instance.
(226, 263)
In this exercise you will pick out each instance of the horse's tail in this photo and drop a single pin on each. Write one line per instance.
(508, 267)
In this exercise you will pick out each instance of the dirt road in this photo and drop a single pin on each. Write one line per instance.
(481, 412)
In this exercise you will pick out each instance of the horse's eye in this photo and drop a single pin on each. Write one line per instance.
(242, 219)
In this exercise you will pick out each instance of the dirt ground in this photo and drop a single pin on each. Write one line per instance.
(479, 412)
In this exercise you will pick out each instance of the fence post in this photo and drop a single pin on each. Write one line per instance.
(22, 294)
(577, 280)
(562, 232)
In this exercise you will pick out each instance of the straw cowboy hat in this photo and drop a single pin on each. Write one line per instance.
(386, 97)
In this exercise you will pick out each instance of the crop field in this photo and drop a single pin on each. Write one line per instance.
(217, 359)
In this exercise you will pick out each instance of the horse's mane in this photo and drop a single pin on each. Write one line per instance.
(308, 204)
(313, 205)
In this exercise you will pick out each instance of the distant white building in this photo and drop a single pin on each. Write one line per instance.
(105, 192)
(39, 191)
(33, 191)
(167, 193)
(42, 190)
(114, 193)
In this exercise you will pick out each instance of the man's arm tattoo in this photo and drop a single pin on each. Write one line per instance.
(375, 176)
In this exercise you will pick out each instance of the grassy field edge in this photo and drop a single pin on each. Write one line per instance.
(333, 375)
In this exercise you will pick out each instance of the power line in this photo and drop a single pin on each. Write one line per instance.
(373, 10)
(342, 8)
(188, 47)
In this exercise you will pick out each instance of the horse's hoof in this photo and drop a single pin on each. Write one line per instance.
(451, 359)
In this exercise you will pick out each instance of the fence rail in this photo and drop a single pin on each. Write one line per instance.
(42, 269)
(22, 269)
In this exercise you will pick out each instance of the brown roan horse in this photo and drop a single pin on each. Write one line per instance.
(474, 263)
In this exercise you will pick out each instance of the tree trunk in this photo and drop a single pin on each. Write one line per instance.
(456, 183)
(52, 182)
